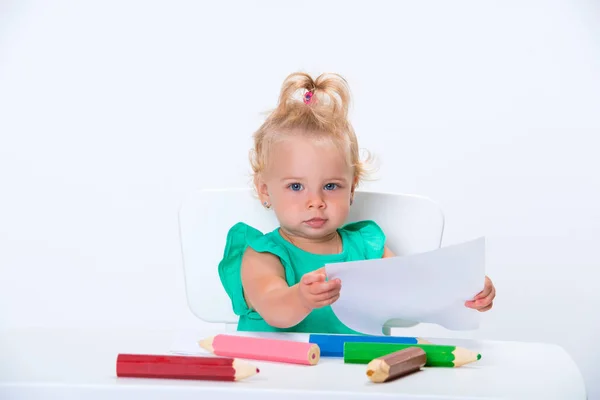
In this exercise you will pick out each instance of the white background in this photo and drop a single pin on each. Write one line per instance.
(112, 111)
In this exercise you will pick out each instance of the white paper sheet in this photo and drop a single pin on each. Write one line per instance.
(427, 287)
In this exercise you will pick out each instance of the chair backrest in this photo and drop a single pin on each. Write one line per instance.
(412, 224)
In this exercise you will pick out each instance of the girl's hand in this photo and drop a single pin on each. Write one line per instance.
(315, 292)
(484, 299)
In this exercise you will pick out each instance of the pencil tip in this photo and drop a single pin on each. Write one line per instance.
(478, 356)
(257, 370)
(206, 344)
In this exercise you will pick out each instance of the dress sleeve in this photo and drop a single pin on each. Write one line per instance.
(372, 236)
(239, 238)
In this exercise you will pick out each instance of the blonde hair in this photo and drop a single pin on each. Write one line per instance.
(326, 113)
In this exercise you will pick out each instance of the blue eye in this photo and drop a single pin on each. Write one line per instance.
(295, 186)
(330, 186)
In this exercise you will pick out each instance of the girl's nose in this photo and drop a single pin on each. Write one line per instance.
(316, 201)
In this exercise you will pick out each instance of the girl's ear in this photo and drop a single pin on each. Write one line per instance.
(262, 190)
(352, 189)
(354, 185)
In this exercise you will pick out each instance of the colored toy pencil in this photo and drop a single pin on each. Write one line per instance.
(330, 345)
(183, 367)
(396, 365)
(287, 351)
(437, 355)
(333, 345)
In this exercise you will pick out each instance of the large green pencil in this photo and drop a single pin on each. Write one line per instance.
(437, 355)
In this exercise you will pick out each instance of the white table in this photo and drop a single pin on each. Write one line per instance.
(80, 364)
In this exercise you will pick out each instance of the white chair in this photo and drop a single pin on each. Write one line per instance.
(411, 223)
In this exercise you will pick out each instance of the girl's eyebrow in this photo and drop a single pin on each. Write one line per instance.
(295, 178)
(337, 179)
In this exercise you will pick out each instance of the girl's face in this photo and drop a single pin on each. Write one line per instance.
(309, 185)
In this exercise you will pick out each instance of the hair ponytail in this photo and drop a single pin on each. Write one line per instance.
(312, 105)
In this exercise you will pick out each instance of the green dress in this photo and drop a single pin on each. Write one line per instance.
(360, 241)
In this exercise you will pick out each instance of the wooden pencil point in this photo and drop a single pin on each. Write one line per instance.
(463, 356)
(396, 364)
(207, 344)
(243, 369)
(378, 370)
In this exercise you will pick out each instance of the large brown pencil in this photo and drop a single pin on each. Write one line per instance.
(396, 365)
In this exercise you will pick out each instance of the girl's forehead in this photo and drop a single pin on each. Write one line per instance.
(301, 155)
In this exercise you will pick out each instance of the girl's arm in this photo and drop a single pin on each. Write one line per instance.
(267, 292)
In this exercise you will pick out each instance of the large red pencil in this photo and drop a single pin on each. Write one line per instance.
(183, 367)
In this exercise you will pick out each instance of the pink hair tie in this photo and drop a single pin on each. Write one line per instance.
(308, 96)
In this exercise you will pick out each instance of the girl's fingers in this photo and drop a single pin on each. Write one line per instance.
(486, 300)
(324, 287)
(328, 301)
(313, 277)
(487, 289)
(482, 304)
(326, 296)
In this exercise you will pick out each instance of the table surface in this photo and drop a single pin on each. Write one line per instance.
(80, 364)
